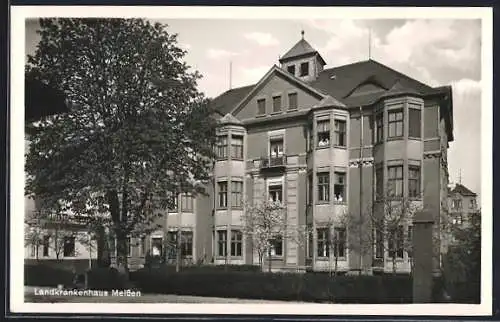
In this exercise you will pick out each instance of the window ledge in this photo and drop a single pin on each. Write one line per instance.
(237, 159)
(414, 138)
(277, 112)
(340, 203)
(322, 147)
(237, 257)
(221, 208)
(343, 147)
(292, 110)
(323, 202)
(395, 138)
(260, 115)
(419, 198)
(222, 159)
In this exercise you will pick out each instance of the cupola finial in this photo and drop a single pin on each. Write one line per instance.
(302, 33)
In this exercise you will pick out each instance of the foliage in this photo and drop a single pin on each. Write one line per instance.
(462, 262)
(264, 222)
(137, 131)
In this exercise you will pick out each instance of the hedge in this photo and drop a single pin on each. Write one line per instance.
(277, 286)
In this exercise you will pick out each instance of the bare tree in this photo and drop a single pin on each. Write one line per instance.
(391, 221)
(264, 223)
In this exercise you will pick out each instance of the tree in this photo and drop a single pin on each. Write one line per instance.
(391, 222)
(264, 224)
(137, 128)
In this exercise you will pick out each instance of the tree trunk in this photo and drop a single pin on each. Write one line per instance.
(261, 261)
(101, 247)
(269, 263)
(122, 253)
(394, 264)
(178, 252)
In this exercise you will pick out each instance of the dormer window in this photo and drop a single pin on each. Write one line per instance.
(291, 69)
(304, 69)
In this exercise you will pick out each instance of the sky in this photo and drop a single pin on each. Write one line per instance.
(435, 51)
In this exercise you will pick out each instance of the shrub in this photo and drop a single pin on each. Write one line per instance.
(47, 275)
(107, 279)
(277, 286)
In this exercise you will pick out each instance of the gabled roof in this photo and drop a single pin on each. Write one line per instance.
(463, 190)
(301, 48)
(273, 71)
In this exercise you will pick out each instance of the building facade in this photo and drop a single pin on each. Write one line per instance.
(462, 205)
(326, 142)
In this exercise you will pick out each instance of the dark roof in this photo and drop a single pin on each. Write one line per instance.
(340, 81)
(463, 190)
(346, 79)
(225, 102)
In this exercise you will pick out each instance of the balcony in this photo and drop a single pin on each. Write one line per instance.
(273, 163)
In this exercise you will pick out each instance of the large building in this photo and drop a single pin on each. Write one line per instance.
(462, 204)
(324, 142)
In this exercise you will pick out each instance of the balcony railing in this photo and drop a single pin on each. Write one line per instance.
(273, 162)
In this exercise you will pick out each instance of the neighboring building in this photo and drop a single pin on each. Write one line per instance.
(462, 205)
(311, 137)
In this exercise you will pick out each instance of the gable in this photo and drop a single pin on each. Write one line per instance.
(277, 86)
(366, 88)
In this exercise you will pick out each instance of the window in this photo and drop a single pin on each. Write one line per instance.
(221, 243)
(173, 204)
(157, 246)
(187, 202)
(304, 69)
(379, 244)
(395, 242)
(236, 194)
(457, 220)
(457, 204)
(277, 246)
(69, 246)
(395, 123)
(261, 106)
(292, 101)
(395, 181)
(410, 241)
(472, 204)
(222, 194)
(45, 245)
(339, 242)
(414, 123)
(339, 187)
(187, 243)
(379, 182)
(310, 189)
(276, 103)
(237, 147)
(413, 182)
(323, 130)
(291, 69)
(276, 192)
(340, 133)
(276, 147)
(236, 242)
(323, 249)
(324, 186)
(379, 120)
(129, 246)
(222, 147)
